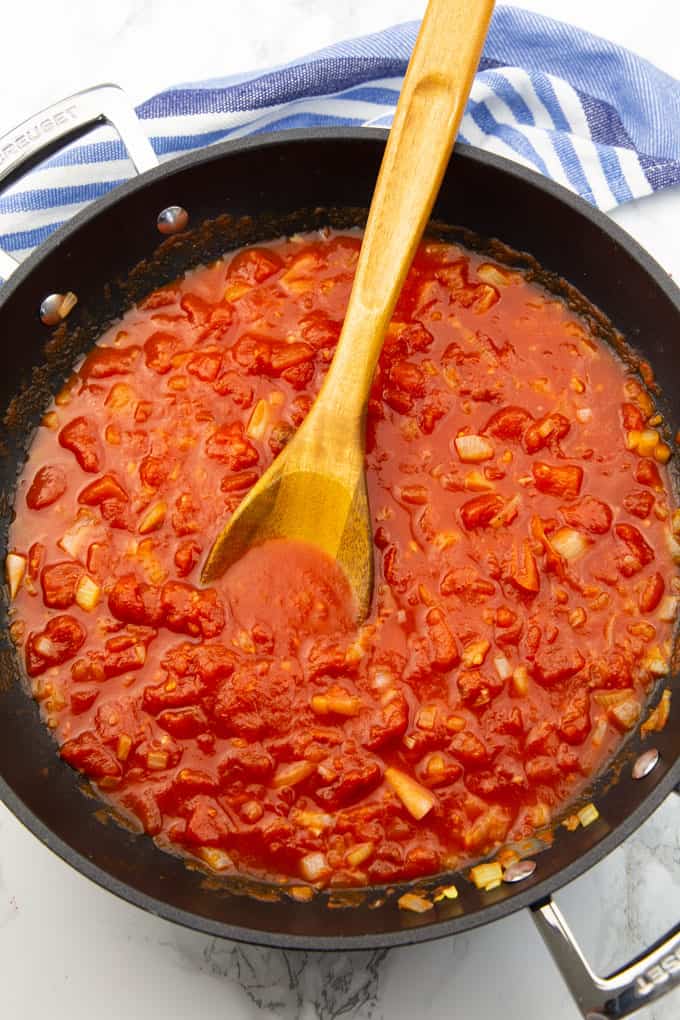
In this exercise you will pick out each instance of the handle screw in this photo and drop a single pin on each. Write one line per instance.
(647, 761)
(518, 871)
(172, 220)
(56, 307)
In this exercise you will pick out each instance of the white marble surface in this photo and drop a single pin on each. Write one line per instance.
(69, 950)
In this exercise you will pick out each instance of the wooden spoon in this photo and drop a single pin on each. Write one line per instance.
(315, 491)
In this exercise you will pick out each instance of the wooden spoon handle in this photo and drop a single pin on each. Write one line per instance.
(430, 108)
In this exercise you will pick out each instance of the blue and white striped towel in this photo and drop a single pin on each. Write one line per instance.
(568, 104)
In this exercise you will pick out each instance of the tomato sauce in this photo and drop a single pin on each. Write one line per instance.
(525, 588)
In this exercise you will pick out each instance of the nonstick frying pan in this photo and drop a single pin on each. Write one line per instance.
(109, 255)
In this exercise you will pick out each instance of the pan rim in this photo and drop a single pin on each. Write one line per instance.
(431, 929)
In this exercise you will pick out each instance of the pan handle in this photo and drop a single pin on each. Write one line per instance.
(640, 982)
(60, 123)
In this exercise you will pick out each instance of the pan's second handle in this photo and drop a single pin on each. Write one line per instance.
(62, 122)
(644, 979)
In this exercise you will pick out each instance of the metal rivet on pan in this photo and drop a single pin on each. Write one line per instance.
(172, 220)
(56, 307)
(518, 871)
(645, 763)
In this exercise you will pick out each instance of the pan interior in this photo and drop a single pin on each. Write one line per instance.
(333, 190)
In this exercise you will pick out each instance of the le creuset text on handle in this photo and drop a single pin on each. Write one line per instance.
(64, 121)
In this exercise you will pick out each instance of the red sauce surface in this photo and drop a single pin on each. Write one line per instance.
(521, 609)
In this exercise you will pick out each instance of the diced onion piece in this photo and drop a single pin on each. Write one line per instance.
(577, 617)
(153, 518)
(486, 876)
(68, 304)
(475, 481)
(668, 608)
(315, 821)
(427, 717)
(449, 892)
(51, 421)
(507, 856)
(639, 396)
(625, 714)
(417, 799)
(412, 901)
(493, 274)
(157, 759)
(587, 815)
(218, 860)
(121, 395)
(675, 522)
(673, 547)
(358, 854)
(584, 415)
(299, 276)
(658, 717)
(259, 420)
(647, 442)
(436, 767)
(473, 449)
(540, 815)
(87, 593)
(599, 731)
(655, 662)
(662, 453)
(15, 568)
(301, 893)
(569, 543)
(290, 775)
(79, 535)
(456, 723)
(610, 698)
(474, 653)
(314, 867)
(520, 681)
(503, 667)
(339, 702)
(64, 395)
(124, 746)
(17, 631)
(571, 823)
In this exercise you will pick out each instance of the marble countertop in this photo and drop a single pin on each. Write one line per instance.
(70, 950)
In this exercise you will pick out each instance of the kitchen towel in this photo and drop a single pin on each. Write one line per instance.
(591, 115)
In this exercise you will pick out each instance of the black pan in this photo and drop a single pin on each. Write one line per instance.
(288, 181)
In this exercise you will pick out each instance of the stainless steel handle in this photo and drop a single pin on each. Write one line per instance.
(644, 979)
(64, 121)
